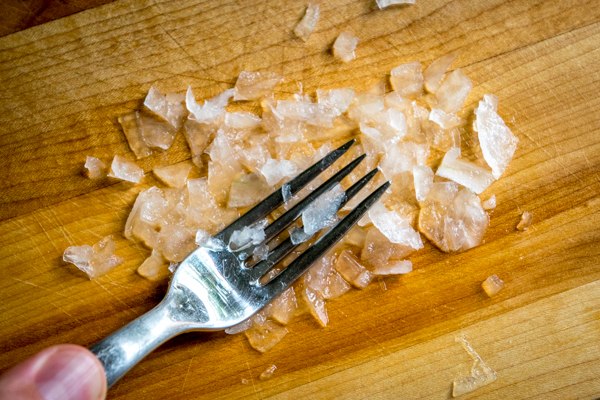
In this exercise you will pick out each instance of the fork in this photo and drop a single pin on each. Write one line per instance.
(215, 288)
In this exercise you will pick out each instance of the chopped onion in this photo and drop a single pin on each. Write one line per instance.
(94, 166)
(453, 91)
(385, 3)
(154, 267)
(490, 203)
(173, 175)
(497, 142)
(526, 220)
(344, 46)
(171, 111)
(264, 337)
(352, 271)
(308, 23)
(492, 285)
(254, 85)
(268, 373)
(122, 168)
(480, 376)
(393, 268)
(94, 260)
(407, 79)
(465, 173)
(435, 72)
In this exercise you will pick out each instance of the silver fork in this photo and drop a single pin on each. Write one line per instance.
(214, 288)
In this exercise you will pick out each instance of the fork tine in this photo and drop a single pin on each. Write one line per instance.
(276, 198)
(286, 219)
(286, 247)
(321, 246)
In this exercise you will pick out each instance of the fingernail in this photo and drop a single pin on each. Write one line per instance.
(71, 373)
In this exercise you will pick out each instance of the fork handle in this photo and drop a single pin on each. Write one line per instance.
(120, 351)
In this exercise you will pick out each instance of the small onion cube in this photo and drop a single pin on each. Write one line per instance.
(344, 46)
(308, 23)
(526, 220)
(407, 79)
(122, 168)
(492, 285)
(94, 166)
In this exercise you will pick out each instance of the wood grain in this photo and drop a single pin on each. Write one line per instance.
(65, 82)
(21, 14)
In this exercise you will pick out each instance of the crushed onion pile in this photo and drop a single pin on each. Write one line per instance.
(405, 133)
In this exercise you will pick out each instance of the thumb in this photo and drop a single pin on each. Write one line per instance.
(63, 372)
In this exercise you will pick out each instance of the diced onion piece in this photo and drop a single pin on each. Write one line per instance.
(465, 173)
(284, 306)
(242, 120)
(176, 243)
(171, 111)
(353, 271)
(157, 134)
(445, 120)
(386, 3)
(133, 132)
(154, 267)
(211, 109)
(526, 220)
(395, 227)
(423, 180)
(492, 285)
(268, 373)
(339, 99)
(453, 91)
(336, 286)
(435, 72)
(394, 268)
(254, 85)
(248, 236)
(202, 237)
(480, 376)
(407, 79)
(173, 175)
(452, 219)
(248, 191)
(197, 135)
(122, 168)
(274, 171)
(264, 337)
(322, 212)
(316, 305)
(94, 166)
(498, 143)
(312, 113)
(94, 260)
(344, 46)
(308, 23)
(490, 203)
(356, 236)
(378, 249)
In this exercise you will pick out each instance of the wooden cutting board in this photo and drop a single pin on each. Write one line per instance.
(64, 83)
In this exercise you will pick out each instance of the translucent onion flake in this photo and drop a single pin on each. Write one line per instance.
(393, 268)
(423, 180)
(452, 218)
(497, 142)
(395, 227)
(465, 173)
(171, 111)
(94, 260)
(490, 203)
(480, 375)
(526, 220)
(344, 46)
(322, 212)
(122, 168)
(453, 91)
(94, 166)
(211, 109)
(339, 99)
(435, 72)
(492, 285)
(154, 267)
(254, 85)
(173, 175)
(307, 25)
(385, 3)
(407, 79)
(268, 373)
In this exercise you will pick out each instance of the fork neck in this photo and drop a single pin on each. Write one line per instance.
(120, 351)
